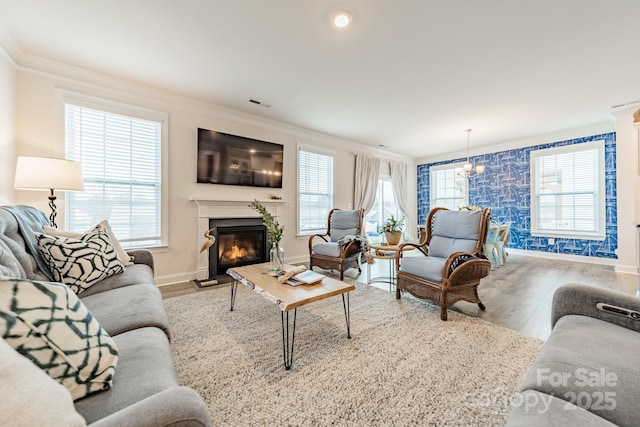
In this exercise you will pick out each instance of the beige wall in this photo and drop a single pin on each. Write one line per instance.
(40, 132)
(7, 127)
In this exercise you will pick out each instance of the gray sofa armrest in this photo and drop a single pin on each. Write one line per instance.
(582, 300)
(142, 256)
(175, 407)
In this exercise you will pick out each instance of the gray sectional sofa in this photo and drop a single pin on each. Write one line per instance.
(129, 308)
(588, 372)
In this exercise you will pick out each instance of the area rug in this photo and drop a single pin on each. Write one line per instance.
(403, 365)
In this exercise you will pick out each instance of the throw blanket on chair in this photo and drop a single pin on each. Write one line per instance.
(362, 241)
(31, 220)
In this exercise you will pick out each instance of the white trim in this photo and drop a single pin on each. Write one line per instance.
(317, 150)
(563, 257)
(447, 166)
(600, 233)
(64, 96)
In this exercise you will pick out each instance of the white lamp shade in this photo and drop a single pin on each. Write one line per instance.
(46, 173)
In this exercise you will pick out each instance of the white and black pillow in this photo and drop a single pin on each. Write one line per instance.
(80, 262)
(49, 325)
(125, 258)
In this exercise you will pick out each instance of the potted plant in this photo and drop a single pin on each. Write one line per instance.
(274, 234)
(392, 229)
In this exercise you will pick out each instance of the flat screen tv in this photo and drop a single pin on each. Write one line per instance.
(236, 160)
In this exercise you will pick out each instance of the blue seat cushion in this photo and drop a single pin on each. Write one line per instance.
(427, 267)
(344, 223)
(327, 248)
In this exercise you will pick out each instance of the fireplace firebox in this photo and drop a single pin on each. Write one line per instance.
(239, 241)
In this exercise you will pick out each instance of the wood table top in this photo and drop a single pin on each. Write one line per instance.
(286, 297)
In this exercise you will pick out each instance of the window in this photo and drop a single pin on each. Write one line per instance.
(448, 189)
(384, 206)
(315, 190)
(121, 156)
(567, 191)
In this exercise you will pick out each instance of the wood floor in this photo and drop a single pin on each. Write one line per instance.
(517, 295)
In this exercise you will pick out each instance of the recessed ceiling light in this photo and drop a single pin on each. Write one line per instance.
(341, 18)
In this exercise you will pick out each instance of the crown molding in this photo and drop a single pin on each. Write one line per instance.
(8, 47)
(69, 77)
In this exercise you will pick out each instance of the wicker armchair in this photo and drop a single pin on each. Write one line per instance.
(325, 250)
(450, 263)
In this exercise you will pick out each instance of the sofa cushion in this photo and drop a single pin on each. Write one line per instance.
(16, 258)
(29, 397)
(428, 267)
(145, 368)
(133, 275)
(80, 262)
(48, 324)
(591, 363)
(131, 307)
(327, 248)
(123, 256)
(532, 408)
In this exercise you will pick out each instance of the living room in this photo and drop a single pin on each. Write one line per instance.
(35, 88)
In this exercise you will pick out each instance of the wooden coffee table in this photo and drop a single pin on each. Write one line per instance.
(288, 298)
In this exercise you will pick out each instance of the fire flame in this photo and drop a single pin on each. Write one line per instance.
(237, 252)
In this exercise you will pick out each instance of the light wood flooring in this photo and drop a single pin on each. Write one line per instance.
(517, 295)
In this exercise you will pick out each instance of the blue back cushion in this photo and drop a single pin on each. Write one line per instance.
(454, 231)
(344, 223)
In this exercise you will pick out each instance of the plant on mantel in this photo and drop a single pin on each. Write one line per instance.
(274, 230)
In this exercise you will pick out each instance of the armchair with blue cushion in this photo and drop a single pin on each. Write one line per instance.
(340, 248)
(449, 262)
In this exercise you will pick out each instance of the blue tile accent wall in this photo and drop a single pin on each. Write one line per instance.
(505, 188)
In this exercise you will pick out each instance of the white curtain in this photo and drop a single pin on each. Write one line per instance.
(399, 182)
(367, 174)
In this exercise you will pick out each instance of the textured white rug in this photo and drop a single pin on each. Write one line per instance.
(403, 365)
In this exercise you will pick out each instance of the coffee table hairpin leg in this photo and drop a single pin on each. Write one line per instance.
(234, 289)
(287, 346)
(347, 314)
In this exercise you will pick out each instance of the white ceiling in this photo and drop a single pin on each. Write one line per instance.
(408, 74)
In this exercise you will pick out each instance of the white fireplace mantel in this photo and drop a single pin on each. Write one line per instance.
(216, 208)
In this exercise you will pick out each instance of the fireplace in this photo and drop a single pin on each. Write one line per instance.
(239, 241)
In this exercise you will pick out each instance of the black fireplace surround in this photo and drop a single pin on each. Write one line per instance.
(239, 241)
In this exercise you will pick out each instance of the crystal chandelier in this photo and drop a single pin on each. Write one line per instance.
(468, 168)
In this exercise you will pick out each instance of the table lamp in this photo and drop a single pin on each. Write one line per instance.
(47, 173)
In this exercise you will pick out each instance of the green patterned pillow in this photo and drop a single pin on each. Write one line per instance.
(48, 324)
(80, 262)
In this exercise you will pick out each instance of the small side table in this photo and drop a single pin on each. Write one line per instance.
(383, 251)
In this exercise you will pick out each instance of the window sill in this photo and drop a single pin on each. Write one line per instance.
(558, 235)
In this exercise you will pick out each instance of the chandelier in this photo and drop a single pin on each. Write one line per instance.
(468, 167)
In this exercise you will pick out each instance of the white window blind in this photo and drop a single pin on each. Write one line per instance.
(121, 165)
(568, 191)
(448, 190)
(315, 188)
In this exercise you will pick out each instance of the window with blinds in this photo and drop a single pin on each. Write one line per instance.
(315, 191)
(121, 165)
(448, 190)
(567, 189)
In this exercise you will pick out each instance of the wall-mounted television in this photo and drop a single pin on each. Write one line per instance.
(236, 160)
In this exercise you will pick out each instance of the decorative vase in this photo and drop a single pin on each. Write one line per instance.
(393, 238)
(276, 255)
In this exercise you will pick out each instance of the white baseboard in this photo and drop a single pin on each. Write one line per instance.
(564, 257)
(172, 279)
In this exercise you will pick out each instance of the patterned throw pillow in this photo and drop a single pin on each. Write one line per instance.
(48, 324)
(80, 262)
(126, 259)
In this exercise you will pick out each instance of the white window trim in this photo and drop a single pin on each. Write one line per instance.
(447, 166)
(311, 149)
(116, 107)
(600, 234)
